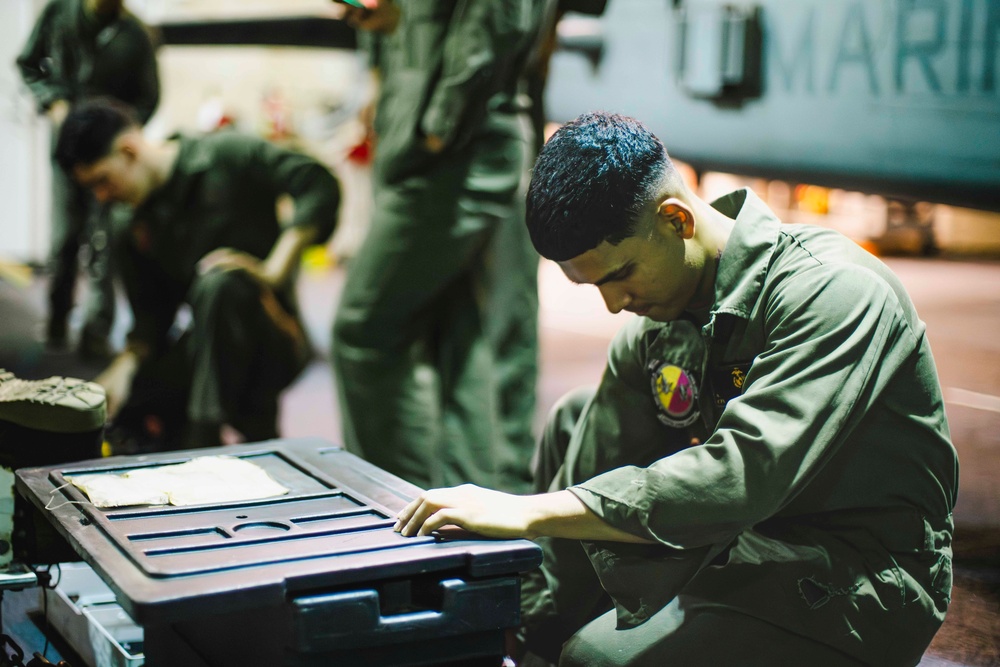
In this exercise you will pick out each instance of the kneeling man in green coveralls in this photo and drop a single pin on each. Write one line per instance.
(764, 475)
(201, 228)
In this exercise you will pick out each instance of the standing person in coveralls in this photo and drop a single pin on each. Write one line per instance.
(435, 338)
(79, 50)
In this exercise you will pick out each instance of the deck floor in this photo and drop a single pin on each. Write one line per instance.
(575, 331)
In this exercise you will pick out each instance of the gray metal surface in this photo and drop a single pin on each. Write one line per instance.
(83, 610)
(893, 97)
(333, 529)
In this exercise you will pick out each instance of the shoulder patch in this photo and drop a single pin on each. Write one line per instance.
(675, 394)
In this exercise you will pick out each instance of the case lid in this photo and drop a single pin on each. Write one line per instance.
(333, 530)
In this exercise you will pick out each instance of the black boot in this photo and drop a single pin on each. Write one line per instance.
(45, 422)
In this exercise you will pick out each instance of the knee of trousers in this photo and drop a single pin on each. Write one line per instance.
(223, 292)
(356, 329)
(579, 651)
(574, 401)
(567, 410)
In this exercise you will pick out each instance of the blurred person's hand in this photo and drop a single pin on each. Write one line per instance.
(269, 274)
(230, 259)
(433, 143)
(58, 111)
(117, 377)
(376, 16)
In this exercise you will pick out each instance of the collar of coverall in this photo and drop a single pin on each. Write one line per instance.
(744, 262)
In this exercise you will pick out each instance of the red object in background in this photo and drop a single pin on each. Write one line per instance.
(276, 116)
(361, 153)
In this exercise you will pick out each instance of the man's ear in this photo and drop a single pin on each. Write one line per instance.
(675, 217)
(128, 144)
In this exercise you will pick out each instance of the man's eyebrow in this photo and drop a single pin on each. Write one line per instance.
(614, 274)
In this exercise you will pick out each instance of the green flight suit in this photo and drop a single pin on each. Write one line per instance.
(811, 521)
(236, 355)
(435, 338)
(71, 55)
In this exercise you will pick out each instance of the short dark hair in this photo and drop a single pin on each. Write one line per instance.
(591, 182)
(89, 131)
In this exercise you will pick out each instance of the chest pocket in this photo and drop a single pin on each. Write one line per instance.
(673, 361)
(727, 381)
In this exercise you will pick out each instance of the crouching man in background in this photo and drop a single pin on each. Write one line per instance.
(201, 227)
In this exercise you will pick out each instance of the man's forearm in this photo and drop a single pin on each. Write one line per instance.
(562, 514)
(503, 515)
(278, 265)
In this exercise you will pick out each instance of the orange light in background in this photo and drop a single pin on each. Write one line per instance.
(688, 173)
(812, 199)
(868, 245)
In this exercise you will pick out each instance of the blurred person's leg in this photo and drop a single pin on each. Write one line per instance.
(154, 416)
(70, 208)
(243, 350)
(489, 346)
(511, 270)
(99, 312)
(564, 594)
(229, 367)
(389, 339)
(20, 349)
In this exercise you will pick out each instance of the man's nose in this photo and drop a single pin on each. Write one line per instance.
(616, 299)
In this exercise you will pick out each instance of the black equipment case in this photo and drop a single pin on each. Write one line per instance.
(314, 577)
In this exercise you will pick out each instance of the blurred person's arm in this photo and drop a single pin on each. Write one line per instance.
(147, 77)
(316, 197)
(36, 66)
(380, 16)
(276, 269)
(482, 37)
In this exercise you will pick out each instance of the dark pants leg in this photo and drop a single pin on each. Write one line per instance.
(71, 206)
(564, 593)
(691, 632)
(512, 279)
(99, 312)
(408, 323)
(230, 367)
(77, 220)
(240, 359)
(413, 361)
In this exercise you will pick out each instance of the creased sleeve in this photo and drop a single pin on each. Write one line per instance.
(827, 332)
(314, 189)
